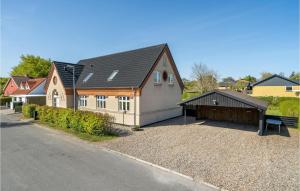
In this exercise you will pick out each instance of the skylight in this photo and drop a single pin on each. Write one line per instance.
(87, 77)
(113, 74)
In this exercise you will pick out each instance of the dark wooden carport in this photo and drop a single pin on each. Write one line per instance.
(227, 105)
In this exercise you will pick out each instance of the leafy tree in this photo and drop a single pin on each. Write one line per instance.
(33, 66)
(205, 77)
(228, 80)
(295, 76)
(249, 78)
(265, 75)
(3, 82)
(241, 84)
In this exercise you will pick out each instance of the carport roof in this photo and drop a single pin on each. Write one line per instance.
(254, 102)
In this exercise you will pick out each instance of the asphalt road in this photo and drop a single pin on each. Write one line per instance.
(35, 159)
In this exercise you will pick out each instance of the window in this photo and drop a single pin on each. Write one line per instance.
(100, 101)
(27, 87)
(124, 103)
(288, 88)
(87, 77)
(54, 80)
(157, 78)
(171, 79)
(113, 74)
(82, 101)
(22, 87)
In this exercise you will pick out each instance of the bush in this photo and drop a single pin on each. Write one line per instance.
(80, 121)
(290, 108)
(4, 100)
(28, 110)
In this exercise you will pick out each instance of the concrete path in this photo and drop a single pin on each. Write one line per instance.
(35, 159)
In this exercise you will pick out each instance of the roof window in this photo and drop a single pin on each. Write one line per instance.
(87, 77)
(113, 74)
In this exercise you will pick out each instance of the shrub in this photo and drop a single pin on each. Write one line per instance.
(28, 110)
(80, 121)
(4, 100)
(290, 108)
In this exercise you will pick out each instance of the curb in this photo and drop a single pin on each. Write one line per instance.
(163, 168)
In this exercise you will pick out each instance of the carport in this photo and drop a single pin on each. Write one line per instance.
(227, 105)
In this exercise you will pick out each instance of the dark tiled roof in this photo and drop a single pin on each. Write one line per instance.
(19, 79)
(276, 80)
(255, 102)
(133, 67)
(66, 74)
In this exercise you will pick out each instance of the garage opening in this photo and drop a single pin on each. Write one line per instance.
(226, 105)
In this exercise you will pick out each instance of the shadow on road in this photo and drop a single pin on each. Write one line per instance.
(8, 125)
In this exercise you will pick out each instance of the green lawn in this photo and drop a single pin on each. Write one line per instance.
(84, 136)
(285, 106)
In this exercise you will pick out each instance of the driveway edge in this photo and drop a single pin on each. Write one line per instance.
(162, 168)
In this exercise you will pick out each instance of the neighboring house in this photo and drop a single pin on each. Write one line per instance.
(13, 84)
(225, 85)
(136, 87)
(276, 85)
(30, 90)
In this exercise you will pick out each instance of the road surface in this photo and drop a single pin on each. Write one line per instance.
(36, 159)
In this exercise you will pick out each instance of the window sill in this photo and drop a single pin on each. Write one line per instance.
(171, 84)
(157, 84)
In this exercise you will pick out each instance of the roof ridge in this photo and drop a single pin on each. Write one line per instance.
(276, 75)
(123, 52)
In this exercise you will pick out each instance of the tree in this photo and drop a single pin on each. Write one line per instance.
(3, 82)
(33, 66)
(249, 78)
(265, 75)
(205, 77)
(295, 76)
(228, 79)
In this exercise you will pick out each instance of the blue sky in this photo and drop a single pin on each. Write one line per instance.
(235, 38)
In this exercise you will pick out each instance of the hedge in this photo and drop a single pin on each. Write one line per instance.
(4, 100)
(80, 121)
(28, 110)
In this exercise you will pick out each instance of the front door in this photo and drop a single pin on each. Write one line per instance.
(55, 101)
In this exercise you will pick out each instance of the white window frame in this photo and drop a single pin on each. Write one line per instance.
(170, 79)
(286, 88)
(83, 101)
(124, 103)
(157, 77)
(101, 101)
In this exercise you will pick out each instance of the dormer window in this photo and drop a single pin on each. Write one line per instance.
(27, 87)
(87, 77)
(157, 77)
(112, 76)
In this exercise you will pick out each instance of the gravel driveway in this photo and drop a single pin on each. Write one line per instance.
(227, 155)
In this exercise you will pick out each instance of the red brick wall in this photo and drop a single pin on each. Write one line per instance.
(10, 88)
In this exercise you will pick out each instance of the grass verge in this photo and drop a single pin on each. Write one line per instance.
(83, 136)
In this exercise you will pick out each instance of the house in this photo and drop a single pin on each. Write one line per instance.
(136, 87)
(13, 84)
(276, 85)
(30, 90)
(227, 105)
